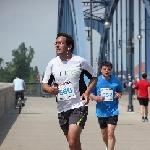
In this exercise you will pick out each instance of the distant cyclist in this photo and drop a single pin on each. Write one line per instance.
(19, 88)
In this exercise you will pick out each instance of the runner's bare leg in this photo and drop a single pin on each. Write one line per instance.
(111, 137)
(73, 137)
(104, 133)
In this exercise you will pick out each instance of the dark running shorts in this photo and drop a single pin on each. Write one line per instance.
(76, 116)
(103, 121)
(133, 91)
(143, 101)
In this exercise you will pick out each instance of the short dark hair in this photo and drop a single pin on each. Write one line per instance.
(106, 63)
(144, 75)
(69, 39)
(18, 76)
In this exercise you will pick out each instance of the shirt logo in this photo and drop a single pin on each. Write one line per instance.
(66, 73)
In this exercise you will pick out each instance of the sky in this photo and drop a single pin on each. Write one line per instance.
(33, 22)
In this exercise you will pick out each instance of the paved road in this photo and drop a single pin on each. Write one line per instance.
(36, 128)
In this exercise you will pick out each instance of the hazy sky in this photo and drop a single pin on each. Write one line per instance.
(33, 22)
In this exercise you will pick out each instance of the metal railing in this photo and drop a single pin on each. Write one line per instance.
(35, 89)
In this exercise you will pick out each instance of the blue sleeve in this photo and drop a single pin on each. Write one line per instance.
(119, 88)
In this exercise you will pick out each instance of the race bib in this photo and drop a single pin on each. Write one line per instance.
(66, 91)
(107, 93)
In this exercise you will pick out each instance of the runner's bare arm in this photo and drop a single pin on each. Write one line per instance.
(92, 96)
(149, 93)
(86, 94)
(96, 98)
(91, 85)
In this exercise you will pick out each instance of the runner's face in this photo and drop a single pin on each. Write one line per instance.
(61, 46)
(106, 71)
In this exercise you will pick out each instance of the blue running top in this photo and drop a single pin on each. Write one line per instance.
(107, 108)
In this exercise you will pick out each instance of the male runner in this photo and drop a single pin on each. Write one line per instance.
(142, 88)
(67, 72)
(106, 94)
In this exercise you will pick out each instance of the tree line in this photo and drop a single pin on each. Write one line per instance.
(20, 65)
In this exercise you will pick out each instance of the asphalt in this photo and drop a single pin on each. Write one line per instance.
(37, 128)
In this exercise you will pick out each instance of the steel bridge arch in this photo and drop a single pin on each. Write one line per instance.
(71, 21)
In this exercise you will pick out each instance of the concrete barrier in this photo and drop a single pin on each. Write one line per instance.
(7, 97)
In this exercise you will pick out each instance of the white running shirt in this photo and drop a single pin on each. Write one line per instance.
(18, 84)
(69, 75)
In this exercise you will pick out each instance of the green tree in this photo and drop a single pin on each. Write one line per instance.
(1, 69)
(22, 60)
(34, 74)
(6, 73)
(1, 62)
(20, 65)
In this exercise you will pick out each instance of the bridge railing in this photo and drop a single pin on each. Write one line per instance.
(35, 89)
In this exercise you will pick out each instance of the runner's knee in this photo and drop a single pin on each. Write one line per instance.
(111, 133)
(72, 144)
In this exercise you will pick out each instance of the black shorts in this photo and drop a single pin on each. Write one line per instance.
(143, 101)
(103, 121)
(76, 116)
(133, 91)
(19, 92)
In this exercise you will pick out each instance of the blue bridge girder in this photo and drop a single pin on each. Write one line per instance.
(147, 5)
(71, 21)
(73, 18)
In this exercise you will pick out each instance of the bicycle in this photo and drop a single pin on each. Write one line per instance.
(19, 103)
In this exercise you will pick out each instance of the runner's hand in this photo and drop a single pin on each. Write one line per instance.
(53, 90)
(86, 98)
(99, 98)
(117, 95)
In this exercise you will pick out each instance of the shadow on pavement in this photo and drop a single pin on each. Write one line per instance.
(7, 121)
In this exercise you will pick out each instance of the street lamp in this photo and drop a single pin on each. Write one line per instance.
(139, 37)
(120, 44)
(133, 41)
(129, 50)
(120, 47)
(107, 24)
(88, 37)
